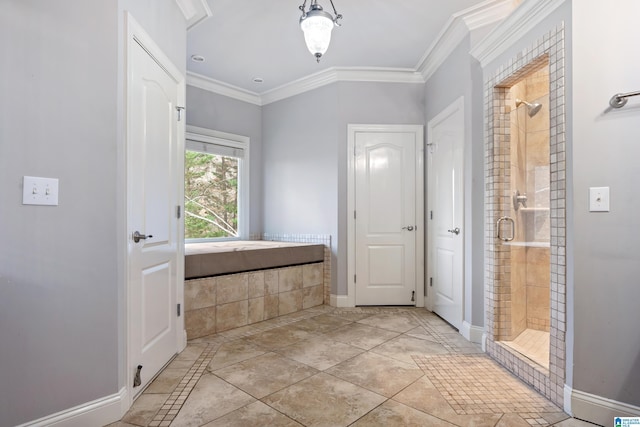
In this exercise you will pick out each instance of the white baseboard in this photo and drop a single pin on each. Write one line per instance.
(97, 413)
(472, 333)
(339, 301)
(567, 399)
(599, 410)
(484, 342)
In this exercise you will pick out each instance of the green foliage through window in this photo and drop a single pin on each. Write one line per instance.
(211, 196)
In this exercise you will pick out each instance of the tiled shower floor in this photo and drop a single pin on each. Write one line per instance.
(327, 366)
(532, 344)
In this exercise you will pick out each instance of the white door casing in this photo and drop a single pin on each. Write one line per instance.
(155, 167)
(445, 165)
(385, 208)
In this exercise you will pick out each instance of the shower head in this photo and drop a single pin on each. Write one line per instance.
(531, 108)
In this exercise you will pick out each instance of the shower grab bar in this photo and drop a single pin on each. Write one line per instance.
(513, 229)
(619, 100)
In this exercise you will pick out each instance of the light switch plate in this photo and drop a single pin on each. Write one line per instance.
(599, 199)
(39, 191)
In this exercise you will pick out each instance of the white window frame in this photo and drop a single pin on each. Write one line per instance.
(209, 136)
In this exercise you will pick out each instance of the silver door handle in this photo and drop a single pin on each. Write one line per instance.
(455, 231)
(409, 228)
(137, 236)
(513, 229)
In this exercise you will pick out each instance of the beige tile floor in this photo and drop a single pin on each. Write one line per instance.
(327, 366)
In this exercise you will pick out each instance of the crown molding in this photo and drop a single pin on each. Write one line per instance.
(456, 29)
(523, 19)
(194, 11)
(222, 88)
(341, 74)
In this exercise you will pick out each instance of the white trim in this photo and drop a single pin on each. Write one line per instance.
(222, 88)
(305, 84)
(200, 134)
(341, 74)
(455, 30)
(352, 129)
(597, 409)
(567, 399)
(472, 333)
(99, 412)
(484, 342)
(339, 301)
(194, 11)
(523, 19)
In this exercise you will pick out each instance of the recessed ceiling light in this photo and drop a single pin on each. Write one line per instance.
(197, 58)
(258, 80)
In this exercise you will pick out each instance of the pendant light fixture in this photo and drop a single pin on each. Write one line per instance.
(317, 25)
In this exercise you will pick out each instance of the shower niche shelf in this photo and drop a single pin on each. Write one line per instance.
(529, 244)
(533, 210)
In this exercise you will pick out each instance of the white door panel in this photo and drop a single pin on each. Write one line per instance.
(445, 200)
(154, 168)
(387, 212)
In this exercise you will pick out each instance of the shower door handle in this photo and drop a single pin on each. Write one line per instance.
(513, 229)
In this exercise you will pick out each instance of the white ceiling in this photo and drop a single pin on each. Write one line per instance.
(262, 38)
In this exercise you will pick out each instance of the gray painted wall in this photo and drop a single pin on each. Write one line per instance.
(299, 160)
(305, 156)
(461, 75)
(606, 150)
(61, 268)
(212, 111)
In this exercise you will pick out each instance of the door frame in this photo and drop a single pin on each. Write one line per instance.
(457, 105)
(352, 129)
(135, 34)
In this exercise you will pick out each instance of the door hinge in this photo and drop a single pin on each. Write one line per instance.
(178, 211)
(430, 281)
(430, 214)
(354, 214)
(178, 310)
(354, 278)
(179, 109)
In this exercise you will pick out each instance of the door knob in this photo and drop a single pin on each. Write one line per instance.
(455, 231)
(410, 228)
(137, 236)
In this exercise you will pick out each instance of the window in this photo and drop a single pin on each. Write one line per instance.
(216, 184)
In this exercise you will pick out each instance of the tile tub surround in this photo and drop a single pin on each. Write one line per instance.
(548, 50)
(216, 304)
(369, 366)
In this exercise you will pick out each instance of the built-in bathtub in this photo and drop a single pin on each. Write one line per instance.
(237, 283)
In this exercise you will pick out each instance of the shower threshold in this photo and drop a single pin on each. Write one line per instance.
(533, 345)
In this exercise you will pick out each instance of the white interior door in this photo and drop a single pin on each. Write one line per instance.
(445, 162)
(388, 215)
(154, 167)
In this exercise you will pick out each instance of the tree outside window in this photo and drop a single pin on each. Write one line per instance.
(211, 195)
